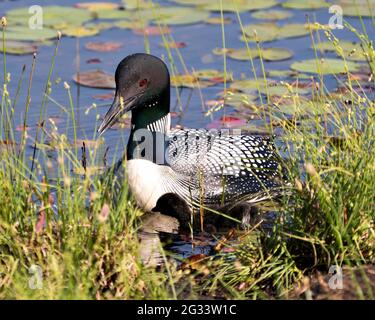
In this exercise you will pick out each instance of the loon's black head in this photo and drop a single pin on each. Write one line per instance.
(143, 87)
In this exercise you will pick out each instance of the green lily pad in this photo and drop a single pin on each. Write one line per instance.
(175, 15)
(272, 88)
(330, 46)
(18, 47)
(95, 6)
(276, 54)
(115, 14)
(268, 54)
(286, 74)
(165, 15)
(240, 99)
(217, 20)
(79, 31)
(280, 73)
(135, 24)
(238, 54)
(193, 2)
(189, 81)
(212, 75)
(350, 50)
(301, 106)
(272, 15)
(139, 4)
(53, 16)
(238, 5)
(100, 25)
(325, 66)
(269, 31)
(306, 4)
(22, 33)
(360, 9)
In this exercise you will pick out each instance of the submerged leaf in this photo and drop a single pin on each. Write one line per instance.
(95, 79)
(107, 46)
(152, 31)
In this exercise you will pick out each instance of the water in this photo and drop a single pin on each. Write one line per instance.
(200, 39)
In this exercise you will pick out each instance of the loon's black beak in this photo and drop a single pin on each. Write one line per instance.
(119, 107)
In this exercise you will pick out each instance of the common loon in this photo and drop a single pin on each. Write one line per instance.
(204, 168)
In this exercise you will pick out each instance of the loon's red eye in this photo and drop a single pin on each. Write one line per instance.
(143, 82)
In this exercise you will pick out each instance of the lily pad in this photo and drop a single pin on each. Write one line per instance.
(135, 24)
(115, 14)
(272, 15)
(213, 75)
(286, 74)
(272, 88)
(152, 30)
(358, 9)
(95, 79)
(173, 44)
(18, 47)
(350, 50)
(139, 4)
(325, 66)
(53, 16)
(79, 31)
(175, 15)
(269, 31)
(22, 33)
(100, 25)
(306, 4)
(165, 15)
(189, 81)
(276, 54)
(240, 99)
(94, 6)
(217, 20)
(238, 5)
(269, 54)
(193, 2)
(238, 54)
(108, 46)
(301, 106)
